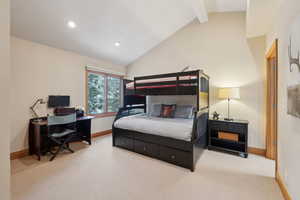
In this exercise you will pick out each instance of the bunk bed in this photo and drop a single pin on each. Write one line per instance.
(177, 141)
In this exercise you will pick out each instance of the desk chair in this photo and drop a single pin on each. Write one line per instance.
(61, 129)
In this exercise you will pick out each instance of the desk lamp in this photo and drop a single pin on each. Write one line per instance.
(40, 101)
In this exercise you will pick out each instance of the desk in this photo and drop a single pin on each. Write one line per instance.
(39, 141)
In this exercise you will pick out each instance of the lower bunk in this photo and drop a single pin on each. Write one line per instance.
(179, 152)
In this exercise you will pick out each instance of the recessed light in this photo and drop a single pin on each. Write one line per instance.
(72, 24)
(117, 44)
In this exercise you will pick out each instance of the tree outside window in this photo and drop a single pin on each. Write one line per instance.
(104, 93)
(113, 94)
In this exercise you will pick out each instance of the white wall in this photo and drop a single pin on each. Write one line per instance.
(39, 71)
(220, 48)
(4, 101)
(260, 15)
(288, 126)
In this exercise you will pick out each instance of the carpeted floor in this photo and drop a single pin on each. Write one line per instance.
(101, 172)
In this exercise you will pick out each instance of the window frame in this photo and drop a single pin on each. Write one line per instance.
(106, 75)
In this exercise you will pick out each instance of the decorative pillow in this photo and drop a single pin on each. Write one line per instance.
(155, 110)
(167, 111)
(184, 111)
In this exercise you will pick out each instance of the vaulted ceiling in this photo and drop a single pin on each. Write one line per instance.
(138, 25)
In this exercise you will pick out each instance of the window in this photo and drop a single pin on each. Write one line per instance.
(103, 93)
(113, 94)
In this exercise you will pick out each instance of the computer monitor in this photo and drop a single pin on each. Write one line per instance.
(58, 101)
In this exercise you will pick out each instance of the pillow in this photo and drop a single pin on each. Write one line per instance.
(155, 110)
(167, 111)
(184, 111)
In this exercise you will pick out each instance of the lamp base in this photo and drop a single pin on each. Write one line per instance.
(228, 119)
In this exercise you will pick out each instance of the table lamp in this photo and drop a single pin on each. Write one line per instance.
(229, 93)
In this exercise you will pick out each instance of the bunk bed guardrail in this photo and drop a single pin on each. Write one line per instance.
(180, 83)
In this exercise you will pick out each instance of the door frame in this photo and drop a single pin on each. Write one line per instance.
(272, 137)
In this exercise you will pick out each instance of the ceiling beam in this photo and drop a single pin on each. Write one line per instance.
(198, 6)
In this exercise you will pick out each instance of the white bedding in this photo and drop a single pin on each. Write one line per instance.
(177, 128)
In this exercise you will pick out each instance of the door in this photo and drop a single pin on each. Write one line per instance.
(271, 102)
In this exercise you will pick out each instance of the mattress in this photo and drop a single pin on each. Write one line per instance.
(177, 128)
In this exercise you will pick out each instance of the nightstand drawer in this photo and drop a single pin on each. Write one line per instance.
(236, 128)
(228, 126)
(217, 125)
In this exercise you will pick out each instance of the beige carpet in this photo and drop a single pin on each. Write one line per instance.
(101, 172)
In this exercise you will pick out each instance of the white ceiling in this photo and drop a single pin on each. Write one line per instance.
(139, 25)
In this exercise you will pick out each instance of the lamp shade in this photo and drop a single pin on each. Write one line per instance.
(229, 93)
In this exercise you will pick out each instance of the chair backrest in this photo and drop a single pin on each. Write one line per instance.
(60, 120)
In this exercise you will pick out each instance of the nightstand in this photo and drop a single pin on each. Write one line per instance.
(228, 136)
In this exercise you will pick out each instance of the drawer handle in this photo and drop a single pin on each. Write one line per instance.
(145, 148)
(173, 156)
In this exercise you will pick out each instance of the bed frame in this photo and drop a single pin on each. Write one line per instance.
(178, 152)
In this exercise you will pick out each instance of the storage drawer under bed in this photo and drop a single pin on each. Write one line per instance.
(124, 142)
(146, 148)
(175, 156)
(182, 156)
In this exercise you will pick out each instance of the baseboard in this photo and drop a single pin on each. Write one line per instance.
(25, 152)
(19, 154)
(102, 133)
(282, 187)
(257, 151)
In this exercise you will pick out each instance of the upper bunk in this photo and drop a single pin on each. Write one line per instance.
(194, 83)
(180, 83)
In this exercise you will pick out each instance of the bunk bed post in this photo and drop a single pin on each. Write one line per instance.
(134, 85)
(198, 90)
(208, 94)
(124, 91)
(177, 79)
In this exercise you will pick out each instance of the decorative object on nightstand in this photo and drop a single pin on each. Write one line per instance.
(32, 108)
(216, 115)
(229, 93)
(228, 136)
